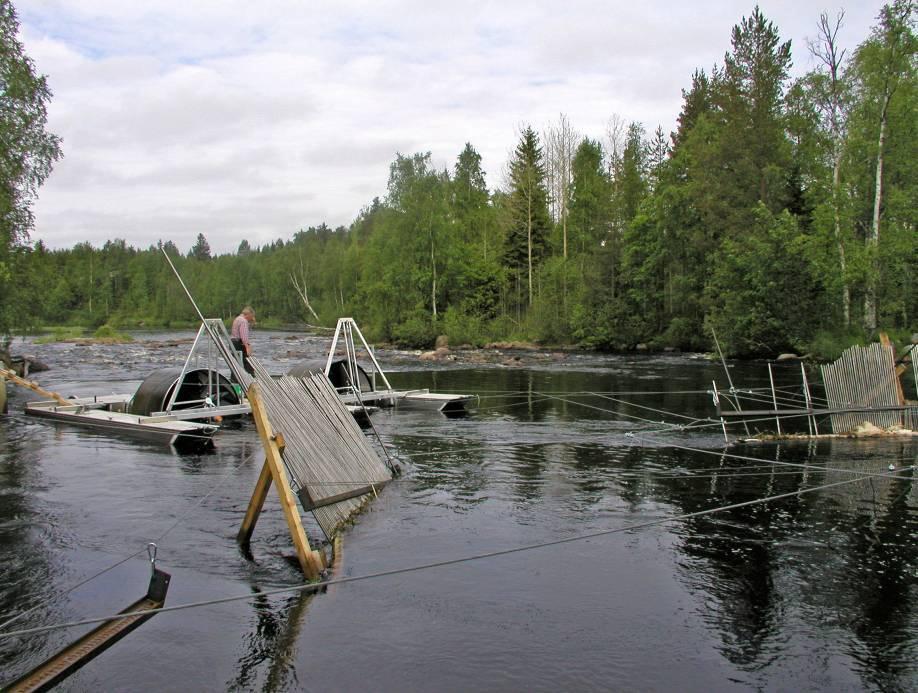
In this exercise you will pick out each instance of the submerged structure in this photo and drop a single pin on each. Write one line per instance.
(315, 453)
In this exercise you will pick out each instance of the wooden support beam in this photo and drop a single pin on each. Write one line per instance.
(310, 561)
(262, 486)
(884, 340)
(22, 382)
(310, 504)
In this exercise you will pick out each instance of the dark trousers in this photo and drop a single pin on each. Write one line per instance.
(238, 346)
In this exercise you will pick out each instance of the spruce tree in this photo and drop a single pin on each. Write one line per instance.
(530, 220)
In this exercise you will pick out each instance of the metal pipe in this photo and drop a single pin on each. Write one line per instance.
(774, 399)
(723, 361)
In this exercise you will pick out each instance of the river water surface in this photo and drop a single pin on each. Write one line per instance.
(815, 591)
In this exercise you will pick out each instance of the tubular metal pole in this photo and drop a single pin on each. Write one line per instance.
(379, 369)
(729, 379)
(723, 424)
(179, 277)
(334, 344)
(814, 429)
(774, 399)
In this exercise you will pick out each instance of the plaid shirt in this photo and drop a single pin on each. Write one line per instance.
(240, 329)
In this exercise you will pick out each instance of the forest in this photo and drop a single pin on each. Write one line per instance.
(779, 215)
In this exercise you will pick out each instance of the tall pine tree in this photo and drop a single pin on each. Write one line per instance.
(530, 220)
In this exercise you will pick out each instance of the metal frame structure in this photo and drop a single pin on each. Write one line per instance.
(218, 345)
(344, 331)
(352, 394)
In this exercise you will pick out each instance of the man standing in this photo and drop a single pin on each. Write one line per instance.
(239, 335)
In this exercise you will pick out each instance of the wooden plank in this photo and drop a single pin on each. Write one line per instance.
(262, 486)
(884, 340)
(31, 385)
(309, 504)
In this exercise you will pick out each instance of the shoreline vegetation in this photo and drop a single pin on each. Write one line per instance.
(508, 352)
(104, 334)
(779, 215)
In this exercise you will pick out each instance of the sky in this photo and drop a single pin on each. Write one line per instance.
(253, 120)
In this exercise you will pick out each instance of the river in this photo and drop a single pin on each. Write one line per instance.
(815, 591)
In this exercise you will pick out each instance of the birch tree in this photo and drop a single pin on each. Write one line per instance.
(832, 101)
(881, 64)
(560, 142)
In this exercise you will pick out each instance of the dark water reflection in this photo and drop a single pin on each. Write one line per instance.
(817, 591)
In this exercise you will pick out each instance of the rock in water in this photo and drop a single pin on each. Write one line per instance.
(23, 365)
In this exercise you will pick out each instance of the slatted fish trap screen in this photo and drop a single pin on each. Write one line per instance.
(326, 454)
(863, 378)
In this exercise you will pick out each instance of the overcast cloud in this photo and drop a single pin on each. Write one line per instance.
(256, 119)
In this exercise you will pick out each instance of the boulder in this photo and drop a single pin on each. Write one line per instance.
(23, 365)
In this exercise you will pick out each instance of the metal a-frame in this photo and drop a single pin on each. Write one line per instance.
(211, 345)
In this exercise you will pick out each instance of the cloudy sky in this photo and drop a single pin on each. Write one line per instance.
(255, 119)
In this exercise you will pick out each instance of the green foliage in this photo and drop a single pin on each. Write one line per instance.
(107, 332)
(61, 334)
(827, 345)
(529, 220)
(682, 333)
(549, 318)
(755, 222)
(416, 330)
(27, 153)
(760, 287)
(463, 328)
(201, 249)
(591, 198)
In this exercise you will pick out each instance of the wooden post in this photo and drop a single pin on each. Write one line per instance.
(22, 382)
(255, 505)
(884, 340)
(310, 561)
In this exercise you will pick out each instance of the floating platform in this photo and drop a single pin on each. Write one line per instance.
(359, 387)
(443, 402)
(110, 414)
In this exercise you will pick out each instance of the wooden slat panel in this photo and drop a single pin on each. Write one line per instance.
(326, 452)
(863, 378)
